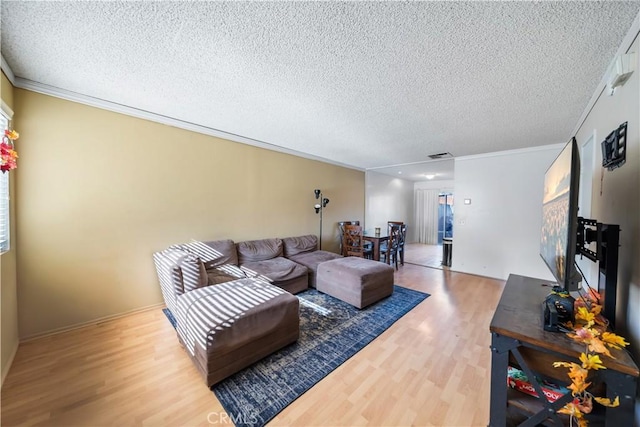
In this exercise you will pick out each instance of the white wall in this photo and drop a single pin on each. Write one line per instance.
(499, 232)
(444, 185)
(616, 195)
(388, 199)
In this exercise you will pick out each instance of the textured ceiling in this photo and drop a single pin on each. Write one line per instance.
(368, 84)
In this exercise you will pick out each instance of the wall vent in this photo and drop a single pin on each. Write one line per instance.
(440, 156)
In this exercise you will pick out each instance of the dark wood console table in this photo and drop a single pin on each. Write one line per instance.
(517, 337)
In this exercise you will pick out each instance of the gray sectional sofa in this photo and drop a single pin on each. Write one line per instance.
(233, 302)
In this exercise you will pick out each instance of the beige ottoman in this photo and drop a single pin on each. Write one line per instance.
(357, 281)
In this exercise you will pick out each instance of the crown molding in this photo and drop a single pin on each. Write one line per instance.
(397, 165)
(517, 151)
(166, 120)
(4, 65)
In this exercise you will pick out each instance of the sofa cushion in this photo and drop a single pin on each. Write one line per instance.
(259, 250)
(311, 260)
(213, 253)
(224, 273)
(221, 252)
(300, 244)
(190, 272)
(276, 269)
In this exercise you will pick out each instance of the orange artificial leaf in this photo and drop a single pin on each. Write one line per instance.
(597, 346)
(584, 404)
(591, 361)
(593, 295)
(11, 134)
(577, 372)
(601, 321)
(596, 309)
(578, 387)
(585, 315)
(571, 409)
(562, 364)
(578, 376)
(590, 331)
(582, 335)
(608, 402)
(614, 341)
(568, 409)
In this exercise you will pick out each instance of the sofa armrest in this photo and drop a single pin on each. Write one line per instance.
(178, 272)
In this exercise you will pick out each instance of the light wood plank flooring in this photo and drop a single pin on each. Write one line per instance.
(431, 368)
(425, 255)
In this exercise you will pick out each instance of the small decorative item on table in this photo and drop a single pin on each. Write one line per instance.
(377, 231)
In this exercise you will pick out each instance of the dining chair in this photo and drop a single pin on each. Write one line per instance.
(403, 230)
(403, 238)
(389, 249)
(353, 242)
(368, 246)
(341, 225)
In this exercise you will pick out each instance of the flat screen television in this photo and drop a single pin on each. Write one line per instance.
(560, 217)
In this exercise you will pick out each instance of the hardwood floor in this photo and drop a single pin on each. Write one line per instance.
(430, 368)
(425, 255)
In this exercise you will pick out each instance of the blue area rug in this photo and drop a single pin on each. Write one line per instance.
(331, 331)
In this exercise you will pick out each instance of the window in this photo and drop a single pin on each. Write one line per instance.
(4, 197)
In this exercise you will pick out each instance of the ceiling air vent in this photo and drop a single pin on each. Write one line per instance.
(440, 156)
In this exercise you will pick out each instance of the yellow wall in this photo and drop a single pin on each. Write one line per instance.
(99, 192)
(8, 293)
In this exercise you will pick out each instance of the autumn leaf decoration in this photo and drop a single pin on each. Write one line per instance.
(587, 331)
(8, 155)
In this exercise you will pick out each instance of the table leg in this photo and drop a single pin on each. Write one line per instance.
(499, 364)
(376, 249)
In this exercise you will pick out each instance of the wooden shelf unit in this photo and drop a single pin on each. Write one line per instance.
(517, 337)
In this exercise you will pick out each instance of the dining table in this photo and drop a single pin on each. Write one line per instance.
(376, 239)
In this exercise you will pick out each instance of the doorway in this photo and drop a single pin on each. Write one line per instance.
(438, 211)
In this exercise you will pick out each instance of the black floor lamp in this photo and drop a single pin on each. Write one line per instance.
(319, 207)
